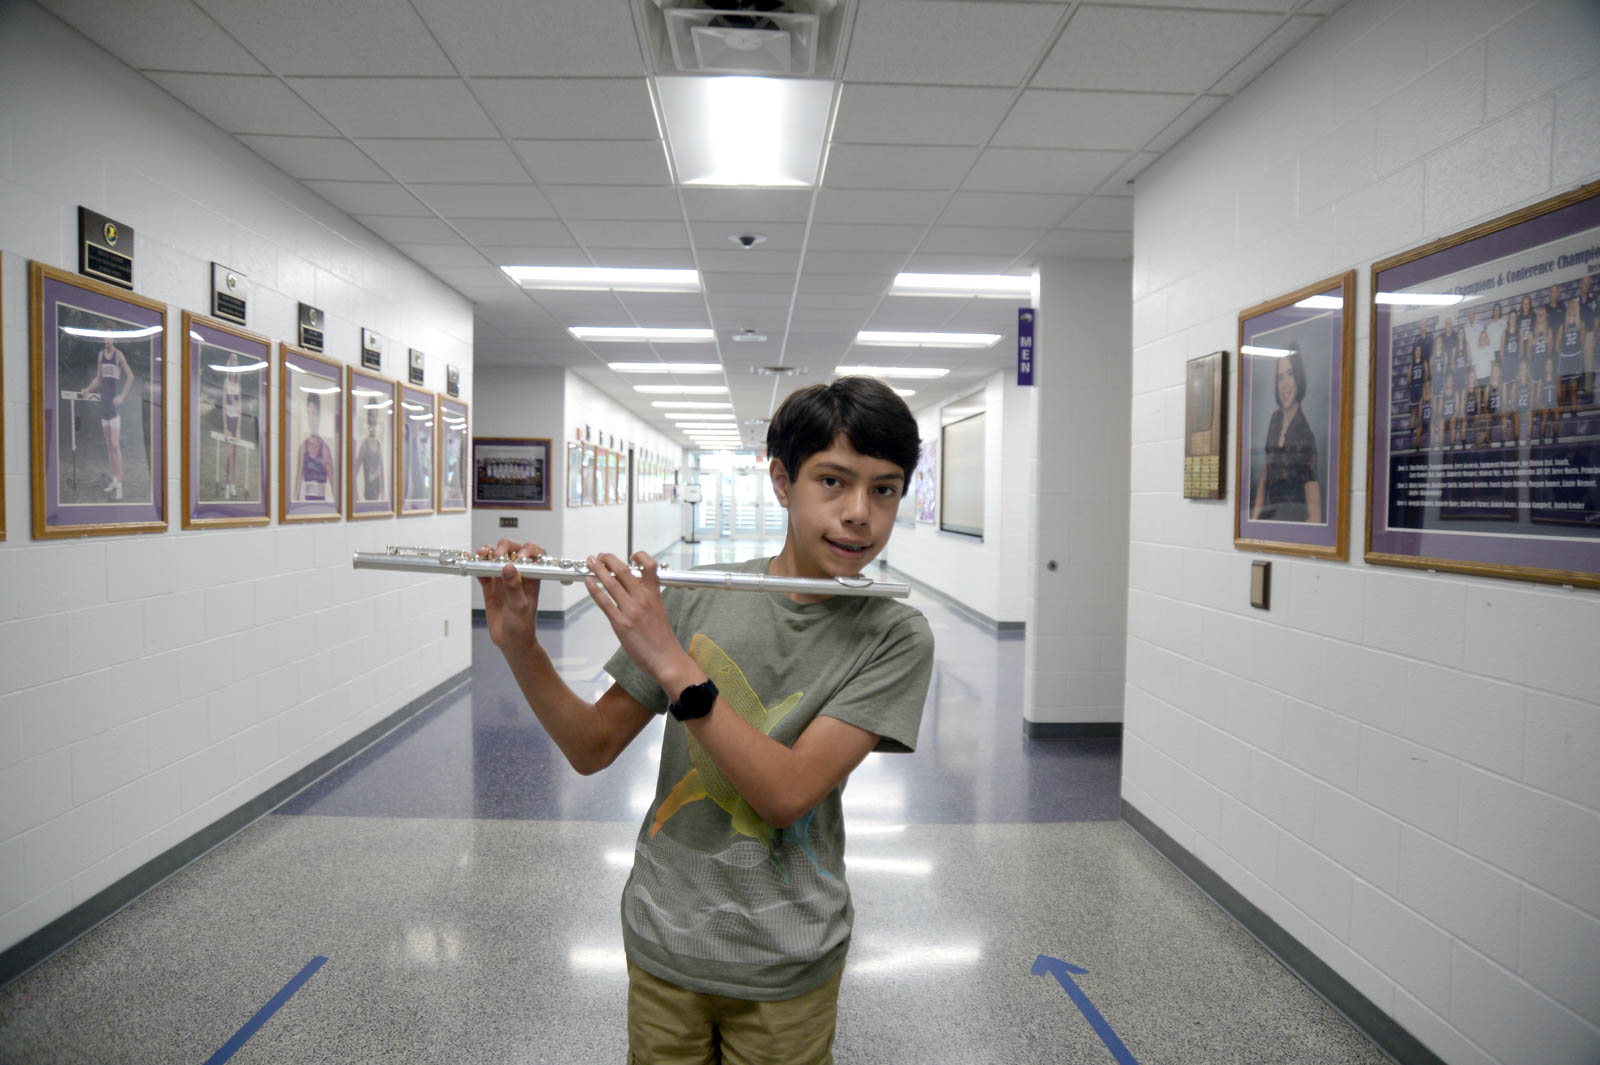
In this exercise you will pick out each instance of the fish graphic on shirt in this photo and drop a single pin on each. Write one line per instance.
(706, 781)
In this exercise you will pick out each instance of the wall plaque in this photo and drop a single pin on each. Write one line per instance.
(311, 327)
(105, 248)
(229, 294)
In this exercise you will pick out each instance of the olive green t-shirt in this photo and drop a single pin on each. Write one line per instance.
(719, 901)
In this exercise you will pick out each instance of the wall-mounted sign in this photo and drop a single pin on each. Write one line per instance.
(1025, 316)
(105, 248)
(371, 351)
(311, 328)
(230, 294)
(452, 380)
(416, 362)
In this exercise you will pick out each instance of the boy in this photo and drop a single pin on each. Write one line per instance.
(736, 917)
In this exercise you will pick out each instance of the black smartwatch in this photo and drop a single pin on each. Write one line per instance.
(694, 701)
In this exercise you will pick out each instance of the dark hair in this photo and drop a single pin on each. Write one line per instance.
(875, 421)
(1298, 369)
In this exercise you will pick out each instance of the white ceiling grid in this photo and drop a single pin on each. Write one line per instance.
(970, 136)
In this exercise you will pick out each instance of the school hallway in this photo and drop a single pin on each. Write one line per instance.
(462, 884)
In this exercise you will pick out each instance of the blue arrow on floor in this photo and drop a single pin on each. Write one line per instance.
(1044, 965)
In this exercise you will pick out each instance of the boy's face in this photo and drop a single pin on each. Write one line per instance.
(841, 509)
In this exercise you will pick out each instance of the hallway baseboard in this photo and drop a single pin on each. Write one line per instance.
(1009, 629)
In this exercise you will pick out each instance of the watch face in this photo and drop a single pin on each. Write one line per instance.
(695, 701)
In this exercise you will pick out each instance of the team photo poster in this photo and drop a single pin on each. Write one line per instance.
(369, 468)
(312, 424)
(1485, 427)
(416, 451)
(511, 472)
(99, 407)
(1296, 361)
(452, 455)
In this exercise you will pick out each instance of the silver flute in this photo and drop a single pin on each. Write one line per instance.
(568, 570)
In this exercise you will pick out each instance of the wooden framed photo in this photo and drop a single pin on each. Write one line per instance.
(453, 436)
(416, 451)
(312, 427)
(370, 457)
(1205, 418)
(574, 475)
(591, 458)
(511, 472)
(1296, 368)
(227, 432)
(1484, 427)
(99, 415)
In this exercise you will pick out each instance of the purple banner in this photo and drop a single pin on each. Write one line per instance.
(1025, 351)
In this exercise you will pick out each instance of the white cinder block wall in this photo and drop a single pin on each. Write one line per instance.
(555, 402)
(149, 685)
(1398, 767)
(987, 575)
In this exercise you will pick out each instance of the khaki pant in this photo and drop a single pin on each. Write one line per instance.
(669, 1025)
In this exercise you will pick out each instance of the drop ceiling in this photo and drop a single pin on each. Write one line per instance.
(970, 136)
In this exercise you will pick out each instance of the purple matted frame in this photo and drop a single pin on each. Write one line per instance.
(304, 376)
(71, 454)
(512, 473)
(370, 454)
(1507, 492)
(213, 350)
(453, 435)
(418, 417)
(1276, 507)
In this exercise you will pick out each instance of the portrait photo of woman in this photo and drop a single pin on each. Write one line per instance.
(1288, 486)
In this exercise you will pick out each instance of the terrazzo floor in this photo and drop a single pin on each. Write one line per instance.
(463, 884)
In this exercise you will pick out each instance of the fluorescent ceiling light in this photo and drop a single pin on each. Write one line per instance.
(698, 416)
(666, 367)
(637, 334)
(604, 278)
(890, 371)
(1269, 353)
(905, 391)
(689, 404)
(682, 390)
(1322, 303)
(707, 425)
(885, 338)
(114, 334)
(987, 286)
(765, 132)
(1420, 299)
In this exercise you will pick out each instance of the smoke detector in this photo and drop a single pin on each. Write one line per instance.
(746, 36)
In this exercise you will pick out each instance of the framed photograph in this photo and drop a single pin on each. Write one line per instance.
(1296, 365)
(925, 482)
(1484, 445)
(1204, 418)
(370, 457)
(99, 416)
(416, 450)
(311, 423)
(574, 475)
(452, 466)
(591, 458)
(2, 419)
(227, 431)
(511, 473)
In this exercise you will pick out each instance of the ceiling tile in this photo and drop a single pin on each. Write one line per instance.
(648, 258)
(402, 229)
(447, 160)
(1006, 209)
(511, 232)
(396, 107)
(903, 206)
(245, 103)
(723, 282)
(1084, 244)
(298, 36)
(569, 108)
(944, 263)
(157, 35)
(595, 233)
(369, 197)
(614, 201)
(826, 236)
(978, 240)
(550, 38)
(855, 262)
(485, 201)
(828, 282)
(527, 255)
(1042, 170)
(315, 158)
(1121, 182)
(752, 261)
(1054, 118)
(596, 162)
(1196, 113)
(1267, 53)
(908, 41)
(717, 235)
(1102, 212)
(919, 114)
(1150, 50)
(898, 167)
(458, 254)
(776, 205)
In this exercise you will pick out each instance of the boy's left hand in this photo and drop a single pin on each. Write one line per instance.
(637, 615)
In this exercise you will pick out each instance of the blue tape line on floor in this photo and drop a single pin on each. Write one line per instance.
(264, 1014)
(1063, 972)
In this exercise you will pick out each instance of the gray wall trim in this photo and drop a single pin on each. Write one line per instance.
(1072, 730)
(39, 946)
(1338, 992)
(999, 628)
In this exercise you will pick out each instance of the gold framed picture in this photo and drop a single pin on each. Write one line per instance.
(311, 428)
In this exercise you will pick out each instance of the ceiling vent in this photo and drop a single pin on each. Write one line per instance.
(771, 37)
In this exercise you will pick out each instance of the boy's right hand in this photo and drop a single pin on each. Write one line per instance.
(509, 601)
